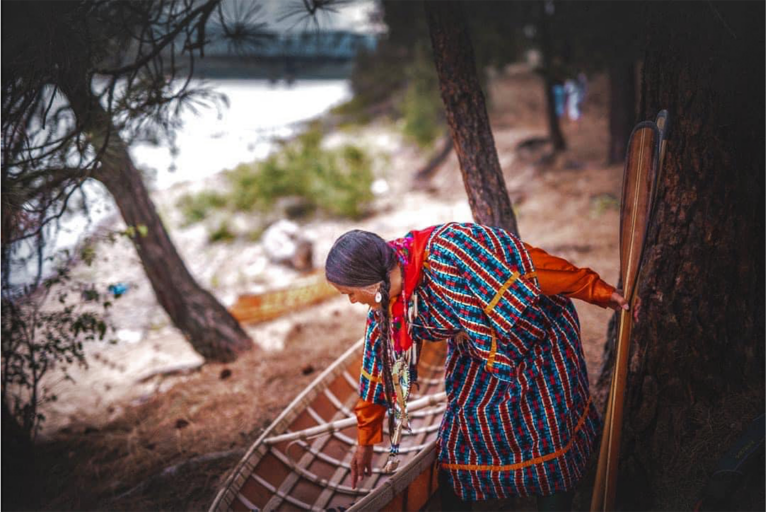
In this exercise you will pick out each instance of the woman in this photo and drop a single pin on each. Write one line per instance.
(519, 419)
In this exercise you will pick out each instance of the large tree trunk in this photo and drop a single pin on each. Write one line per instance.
(621, 107)
(206, 324)
(21, 489)
(467, 116)
(547, 57)
(697, 363)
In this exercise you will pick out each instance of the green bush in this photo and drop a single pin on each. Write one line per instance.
(221, 234)
(355, 109)
(47, 327)
(421, 106)
(197, 207)
(337, 182)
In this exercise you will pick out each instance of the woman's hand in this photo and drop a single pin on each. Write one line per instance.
(361, 464)
(617, 302)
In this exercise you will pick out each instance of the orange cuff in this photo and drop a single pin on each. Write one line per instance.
(370, 422)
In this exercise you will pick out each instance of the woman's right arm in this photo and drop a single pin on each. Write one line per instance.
(371, 407)
(370, 422)
(370, 425)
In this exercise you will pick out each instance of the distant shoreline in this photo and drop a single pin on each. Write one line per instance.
(272, 69)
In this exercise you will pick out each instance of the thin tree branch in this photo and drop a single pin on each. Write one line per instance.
(204, 10)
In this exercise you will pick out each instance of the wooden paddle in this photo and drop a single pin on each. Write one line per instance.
(646, 147)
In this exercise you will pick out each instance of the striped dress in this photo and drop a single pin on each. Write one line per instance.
(519, 419)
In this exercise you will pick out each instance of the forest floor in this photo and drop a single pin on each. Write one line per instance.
(124, 436)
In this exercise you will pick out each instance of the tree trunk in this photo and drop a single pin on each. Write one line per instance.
(697, 362)
(20, 476)
(206, 324)
(621, 74)
(467, 116)
(547, 57)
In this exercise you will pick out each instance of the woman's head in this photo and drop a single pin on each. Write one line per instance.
(359, 264)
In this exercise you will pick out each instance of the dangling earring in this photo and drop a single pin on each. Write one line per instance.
(377, 297)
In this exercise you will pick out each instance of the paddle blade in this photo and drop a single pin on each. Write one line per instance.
(640, 170)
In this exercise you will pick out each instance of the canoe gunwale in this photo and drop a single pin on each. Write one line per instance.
(385, 493)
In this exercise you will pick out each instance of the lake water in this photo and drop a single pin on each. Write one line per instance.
(259, 112)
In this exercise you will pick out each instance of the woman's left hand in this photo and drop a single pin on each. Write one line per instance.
(617, 302)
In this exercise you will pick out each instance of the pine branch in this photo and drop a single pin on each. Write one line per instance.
(203, 11)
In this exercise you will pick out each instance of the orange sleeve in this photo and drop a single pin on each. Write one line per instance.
(559, 277)
(370, 422)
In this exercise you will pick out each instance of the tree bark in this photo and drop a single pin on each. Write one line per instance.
(621, 120)
(206, 324)
(697, 360)
(21, 478)
(467, 116)
(547, 57)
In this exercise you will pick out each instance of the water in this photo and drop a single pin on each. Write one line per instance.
(208, 142)
(258, 113)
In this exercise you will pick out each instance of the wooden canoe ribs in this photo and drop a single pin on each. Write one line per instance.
(312, 472)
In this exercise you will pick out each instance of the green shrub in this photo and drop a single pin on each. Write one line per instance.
(46, 327)
(221, 234)
(197, 207)
(337, 182)
(355, 110)
(421, 106)
(345, 190)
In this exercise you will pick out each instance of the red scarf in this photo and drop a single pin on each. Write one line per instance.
(411, 253)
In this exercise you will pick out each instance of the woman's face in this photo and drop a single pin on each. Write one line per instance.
(365, 295)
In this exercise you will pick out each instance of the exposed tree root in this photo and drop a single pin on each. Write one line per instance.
(182, 369)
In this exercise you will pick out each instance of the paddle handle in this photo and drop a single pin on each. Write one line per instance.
(602, 461)
(617, 409)
(604, 494)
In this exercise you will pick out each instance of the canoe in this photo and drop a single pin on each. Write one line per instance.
(310, 290)
(287, 468)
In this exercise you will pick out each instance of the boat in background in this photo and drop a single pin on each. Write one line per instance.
(313, 472)
(307, 291)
